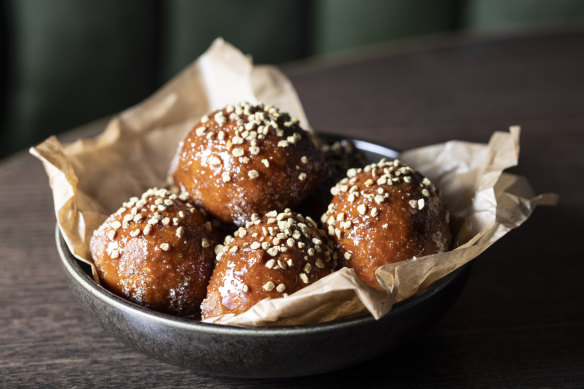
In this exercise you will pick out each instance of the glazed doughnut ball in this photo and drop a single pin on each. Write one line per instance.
(271, 257)
(338, 157)
(246, 159)
(156, 251)
(386, 213)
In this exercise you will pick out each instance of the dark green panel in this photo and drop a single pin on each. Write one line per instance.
(492, 14)
(3, 77)
(272, 31)
(341, 24)
(72, 61)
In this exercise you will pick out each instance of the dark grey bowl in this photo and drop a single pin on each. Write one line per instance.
(262, 351)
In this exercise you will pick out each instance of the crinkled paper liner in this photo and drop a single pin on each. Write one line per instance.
(90, 178)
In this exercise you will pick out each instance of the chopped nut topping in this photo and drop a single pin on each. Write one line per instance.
(214, 160)
(219, 249)
(269, 286)
(220, 118)
(237, 152)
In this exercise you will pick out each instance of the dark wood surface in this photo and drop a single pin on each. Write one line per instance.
(520, 320)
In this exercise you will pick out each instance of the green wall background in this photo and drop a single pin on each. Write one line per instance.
(66, 62)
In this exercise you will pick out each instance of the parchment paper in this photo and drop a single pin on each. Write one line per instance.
(90, 179)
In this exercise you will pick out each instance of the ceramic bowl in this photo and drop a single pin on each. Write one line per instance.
(262, 352)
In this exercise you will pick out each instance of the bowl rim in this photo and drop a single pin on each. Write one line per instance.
(73, 268)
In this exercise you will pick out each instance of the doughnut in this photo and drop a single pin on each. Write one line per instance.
(156, 251)
(385, 213)
(245, 159)
(271, 257)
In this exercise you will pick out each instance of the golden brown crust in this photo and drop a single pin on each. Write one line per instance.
(385, 213)
(247, 159)
(271, 257)
(156, 251)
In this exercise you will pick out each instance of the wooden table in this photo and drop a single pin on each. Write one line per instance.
(520, 321)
